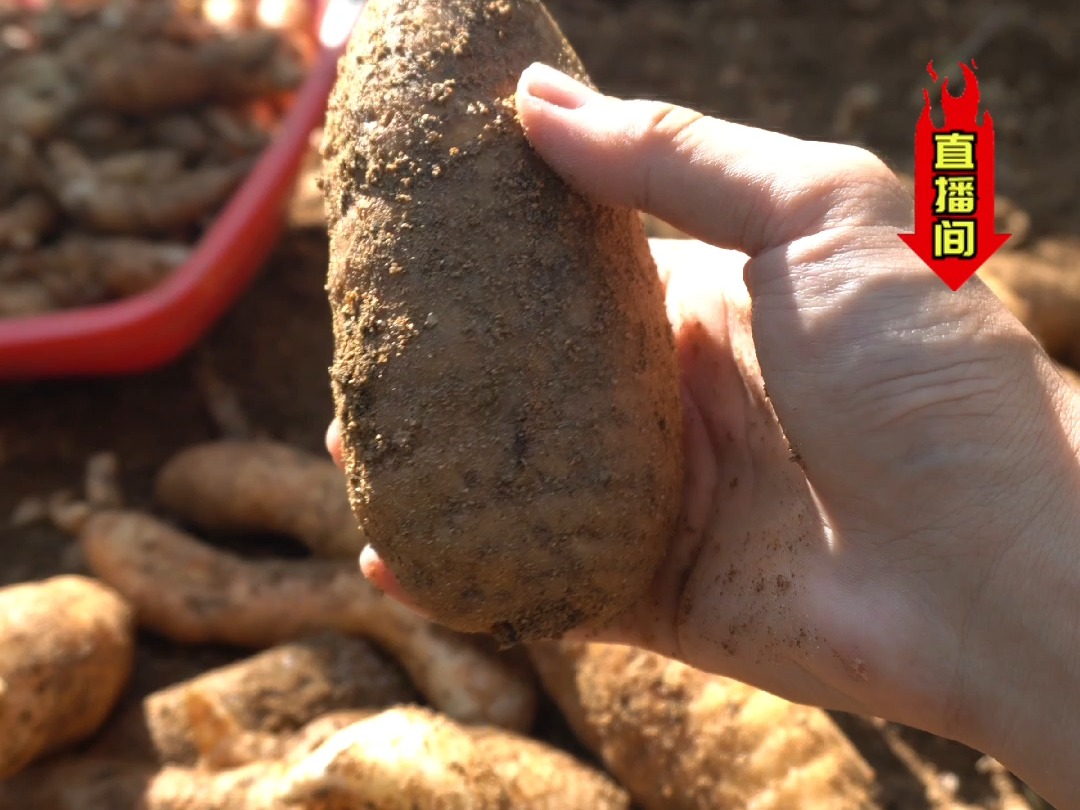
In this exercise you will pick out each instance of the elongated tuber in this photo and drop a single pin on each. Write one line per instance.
(134, 119)
(193, 593)
(262, 486)
(66, 653)
(677, 737)
(401, 759)
(271, 694)
(409, 757)
(222, 745)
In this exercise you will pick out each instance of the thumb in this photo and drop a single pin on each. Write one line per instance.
(730, 185)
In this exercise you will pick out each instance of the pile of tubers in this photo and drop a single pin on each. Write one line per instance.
(126, 126)
(347, 699)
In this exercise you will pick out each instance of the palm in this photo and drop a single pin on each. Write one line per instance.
(732, 593)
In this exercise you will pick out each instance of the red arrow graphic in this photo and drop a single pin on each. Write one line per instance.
(954, 185)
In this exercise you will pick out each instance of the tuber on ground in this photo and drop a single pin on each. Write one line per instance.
(66, 654)
(677, 737)
(192, 593)
(261, 486)
(509, 402)
(1042, 288)
(222, 746)
(266, 696)
(410, 757)
(401, 759)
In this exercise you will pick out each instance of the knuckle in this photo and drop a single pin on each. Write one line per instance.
(670, 126)
(855, 169)
(854, 185)
(665, 130)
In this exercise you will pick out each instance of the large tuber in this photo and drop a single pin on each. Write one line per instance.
(505, 372)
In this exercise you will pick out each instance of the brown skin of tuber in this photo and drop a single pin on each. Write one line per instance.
(375, 763)
(261, 486)
(192, 593)
(267, 696)
(1041, 288)
(505, 373)
(679, 738)
(66, 654)
(401, 759)
(222, 746)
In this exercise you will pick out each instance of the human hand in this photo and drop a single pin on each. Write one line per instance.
(891, 550)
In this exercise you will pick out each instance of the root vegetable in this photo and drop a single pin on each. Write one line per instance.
(510, 405)
(273, 693)
(139, 195)
(83, 270)
(222, 746)
(409, 757)
(262, 486)
(37, 95)
(680, 738)
(66, 653)
(142, 78)
(192, 593)
(1042, 288)
(400, 759)
(126, 119)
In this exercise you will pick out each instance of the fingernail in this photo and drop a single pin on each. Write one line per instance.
(555, 87)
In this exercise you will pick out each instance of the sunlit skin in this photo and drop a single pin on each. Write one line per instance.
(904, 545)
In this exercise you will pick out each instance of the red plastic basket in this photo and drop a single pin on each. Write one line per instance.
(155, 327)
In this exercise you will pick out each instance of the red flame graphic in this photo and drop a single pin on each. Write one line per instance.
(961, 115)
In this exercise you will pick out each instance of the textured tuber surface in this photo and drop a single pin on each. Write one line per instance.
(66, 654)
(678, 738)
(504, 370)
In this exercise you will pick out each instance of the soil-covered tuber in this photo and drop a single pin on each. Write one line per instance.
(678, 738)
(261, 486)
(192, 593)
(509, 404)
(401, 759)
(66, 654)
(265, 697)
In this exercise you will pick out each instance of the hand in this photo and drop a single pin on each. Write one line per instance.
(902, 546)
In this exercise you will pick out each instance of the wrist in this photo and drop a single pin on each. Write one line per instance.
(977, 636)
(1018, 675)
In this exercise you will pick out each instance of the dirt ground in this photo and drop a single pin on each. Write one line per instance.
(850, 71)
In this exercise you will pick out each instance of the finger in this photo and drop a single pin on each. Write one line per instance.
(731, 185)
(333, 442)
(376, 572)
